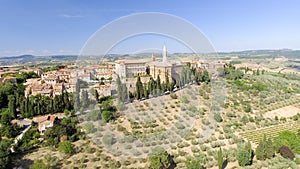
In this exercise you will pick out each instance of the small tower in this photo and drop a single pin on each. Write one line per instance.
(164, 54)
(153, 57)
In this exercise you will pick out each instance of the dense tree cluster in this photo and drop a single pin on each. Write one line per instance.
(232, 73)
(40, 105)
(30, 139)
(107, 109)
(155, 87)
(5, 158)
(8, 129)
(7, 89)
(22, 77)
(12, 98)
(62, 130)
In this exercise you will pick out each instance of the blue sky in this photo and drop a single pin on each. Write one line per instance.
(63, 26)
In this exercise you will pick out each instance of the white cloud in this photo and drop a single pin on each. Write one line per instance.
(71, 16)
(65, 51)
(45, 51)
(30, 51)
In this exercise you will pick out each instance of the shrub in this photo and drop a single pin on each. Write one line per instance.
(94, 115)
(193, 164)
(107, 115)
(158, 157)
(244, 119)
(265, 149)
(286, 152)
(108, 139)
(66, 147)
(218, 117)
(245, 155)
(89, 127)
(192, 108)
(185, 99)
(39, 164)
(173, 96)
(247, 108)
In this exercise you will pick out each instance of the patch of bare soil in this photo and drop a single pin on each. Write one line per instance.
(287, 111)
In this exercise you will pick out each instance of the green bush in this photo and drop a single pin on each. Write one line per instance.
(193, 164)
(173, 96)
(265, 149)
(39, 164)
(245, 154)
(218, 117)
(184, 100)
(158, 157)
(108, 139)
(66, 147)
(248, 108)
(287, 138)
(94, 115)
(107, 115)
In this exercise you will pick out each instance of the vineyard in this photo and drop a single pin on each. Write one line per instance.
(271, 132)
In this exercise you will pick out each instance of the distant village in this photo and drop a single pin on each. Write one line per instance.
(102, 78)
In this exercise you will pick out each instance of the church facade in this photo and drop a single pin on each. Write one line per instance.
(164, 69)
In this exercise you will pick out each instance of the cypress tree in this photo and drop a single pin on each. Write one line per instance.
(167, 83)
(84, 99)
(76, 100)
(146, 95)
(119, 89)
(220, 159)
(139, 88)
(150, 87)
(163, 87)
(158, 85)
(12, 106)
(97, 95)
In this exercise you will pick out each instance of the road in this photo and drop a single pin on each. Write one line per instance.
(19, 137)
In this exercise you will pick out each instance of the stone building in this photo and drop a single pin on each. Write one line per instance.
(154, 68)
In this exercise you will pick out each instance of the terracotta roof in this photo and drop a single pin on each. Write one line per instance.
(46, 118)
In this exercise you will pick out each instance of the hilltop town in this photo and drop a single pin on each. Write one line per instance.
(129, 112)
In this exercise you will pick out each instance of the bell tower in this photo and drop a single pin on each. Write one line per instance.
(164, 53)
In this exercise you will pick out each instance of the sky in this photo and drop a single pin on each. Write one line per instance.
(54, 27)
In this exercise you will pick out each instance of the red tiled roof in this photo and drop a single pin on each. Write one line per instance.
(46, 118)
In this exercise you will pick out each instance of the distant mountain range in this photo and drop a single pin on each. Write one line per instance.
(31, 59)
(18, 57)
